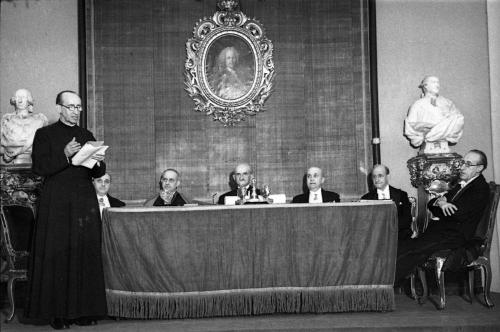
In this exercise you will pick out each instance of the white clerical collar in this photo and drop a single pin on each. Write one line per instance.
(384, 193)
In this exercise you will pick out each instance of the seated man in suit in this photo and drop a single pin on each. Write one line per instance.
(101, 186)
(382, 190)
(314, 192)
(170, 179)
(459, 212)
(242, 175)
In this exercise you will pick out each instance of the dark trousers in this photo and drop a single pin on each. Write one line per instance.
(414, 252)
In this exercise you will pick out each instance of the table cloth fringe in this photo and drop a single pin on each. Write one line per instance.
(249, 302)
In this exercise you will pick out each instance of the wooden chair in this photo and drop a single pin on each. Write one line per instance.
(436, 262)
(17, 223)
(413, 211)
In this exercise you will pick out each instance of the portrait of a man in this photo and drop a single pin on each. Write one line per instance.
(230, 68)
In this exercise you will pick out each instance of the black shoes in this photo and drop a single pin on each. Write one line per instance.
(62, 323)
(59, 323)
(85, 321)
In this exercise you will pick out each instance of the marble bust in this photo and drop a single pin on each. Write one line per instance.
(18, 129)
(433, 121)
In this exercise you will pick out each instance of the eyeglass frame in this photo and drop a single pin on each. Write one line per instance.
(72, 107)
(469, 164)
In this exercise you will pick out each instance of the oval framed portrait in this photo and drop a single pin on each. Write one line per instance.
(229, 68)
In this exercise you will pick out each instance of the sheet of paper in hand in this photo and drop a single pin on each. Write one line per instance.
(89, 149)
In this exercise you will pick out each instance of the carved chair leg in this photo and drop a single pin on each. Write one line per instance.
(471, 285)
(412, 287)
(10, 293)
(486, 269)
(440, 280)
(425, 289)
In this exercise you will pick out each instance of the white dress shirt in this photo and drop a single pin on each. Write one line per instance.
(103, 202)
(315, 196)
(384, 194)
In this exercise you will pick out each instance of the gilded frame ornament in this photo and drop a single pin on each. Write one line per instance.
(229, 70)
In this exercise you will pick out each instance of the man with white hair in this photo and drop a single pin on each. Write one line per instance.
(242, 175)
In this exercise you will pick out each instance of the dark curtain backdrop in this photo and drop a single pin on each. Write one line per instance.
(319, 113)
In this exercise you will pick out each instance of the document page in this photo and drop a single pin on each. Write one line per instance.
(84, 156)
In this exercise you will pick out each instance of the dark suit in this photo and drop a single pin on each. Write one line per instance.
(449, 232)
(399, 197)
(235, 193)
(328, 196)
(177, 200)
(115, 202)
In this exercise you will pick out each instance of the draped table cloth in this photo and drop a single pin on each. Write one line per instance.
(205, 261)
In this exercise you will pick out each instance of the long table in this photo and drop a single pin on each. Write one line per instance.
(205, 261)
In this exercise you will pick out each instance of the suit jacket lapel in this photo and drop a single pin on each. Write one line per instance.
(461, 191)
(394, 194)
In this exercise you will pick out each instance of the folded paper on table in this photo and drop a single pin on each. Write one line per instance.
(89, 149)
(277, 198)
(230, 200)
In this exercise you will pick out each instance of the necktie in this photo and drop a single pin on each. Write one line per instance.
(315, 197)
(101, 201)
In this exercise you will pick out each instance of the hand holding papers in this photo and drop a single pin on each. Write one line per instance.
(88, 154)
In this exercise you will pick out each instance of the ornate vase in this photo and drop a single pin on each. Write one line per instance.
(19, 185)
(433, 175)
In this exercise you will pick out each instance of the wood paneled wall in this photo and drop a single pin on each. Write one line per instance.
(319, 113)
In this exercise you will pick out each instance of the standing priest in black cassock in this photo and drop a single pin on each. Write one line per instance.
(66, 281)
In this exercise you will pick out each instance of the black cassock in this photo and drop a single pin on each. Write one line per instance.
(65, 277)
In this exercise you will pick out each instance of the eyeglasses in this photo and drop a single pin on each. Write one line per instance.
(469, 164)
(73, 108)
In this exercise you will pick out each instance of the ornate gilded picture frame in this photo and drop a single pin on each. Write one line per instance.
(229, 69)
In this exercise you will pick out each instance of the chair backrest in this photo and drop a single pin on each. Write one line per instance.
(486, 225)
(414, 214)
(18, 223)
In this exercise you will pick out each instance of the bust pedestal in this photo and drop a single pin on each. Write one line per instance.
(19, 185)
(437, 147)
(433, 175)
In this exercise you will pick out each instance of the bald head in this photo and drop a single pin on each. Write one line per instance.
(475, 162)
(315, 178)
(380, 176)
